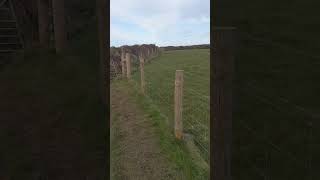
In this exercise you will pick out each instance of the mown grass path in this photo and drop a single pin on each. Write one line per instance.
(135, 149)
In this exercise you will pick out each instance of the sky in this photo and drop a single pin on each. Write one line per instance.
(160, 22)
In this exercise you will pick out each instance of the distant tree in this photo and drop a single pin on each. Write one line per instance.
(43, 22)
(59, 25)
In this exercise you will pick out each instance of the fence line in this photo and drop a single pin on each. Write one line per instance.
(193, 122)
(160, 89)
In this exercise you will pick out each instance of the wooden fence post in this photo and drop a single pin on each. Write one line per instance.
(123, 64)
(221, 126)
(142, 75)
(148, 53)
(128, 58)
(123, 68)
(178, 94)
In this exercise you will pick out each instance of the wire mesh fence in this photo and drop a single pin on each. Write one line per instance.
(160, 86)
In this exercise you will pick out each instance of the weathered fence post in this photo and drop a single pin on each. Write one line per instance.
(123, 66)
(221, 126)
(178, 94)
(148, 53)
(142, 75)
(128, 63)
(123, 63)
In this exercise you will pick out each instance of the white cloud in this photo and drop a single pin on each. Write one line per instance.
(158, 18)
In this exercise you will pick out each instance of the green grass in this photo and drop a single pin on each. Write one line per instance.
(114, 148)
(160, 76)
(175, 151)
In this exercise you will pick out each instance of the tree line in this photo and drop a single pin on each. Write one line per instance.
(201, 46)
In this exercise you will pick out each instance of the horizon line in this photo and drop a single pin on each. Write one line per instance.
(161, 46)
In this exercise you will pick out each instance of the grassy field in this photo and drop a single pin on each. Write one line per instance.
(160, 76)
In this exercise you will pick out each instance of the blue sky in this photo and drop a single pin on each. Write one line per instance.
(160, 22)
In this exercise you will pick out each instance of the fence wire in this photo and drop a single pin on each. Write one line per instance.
(160, 86)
